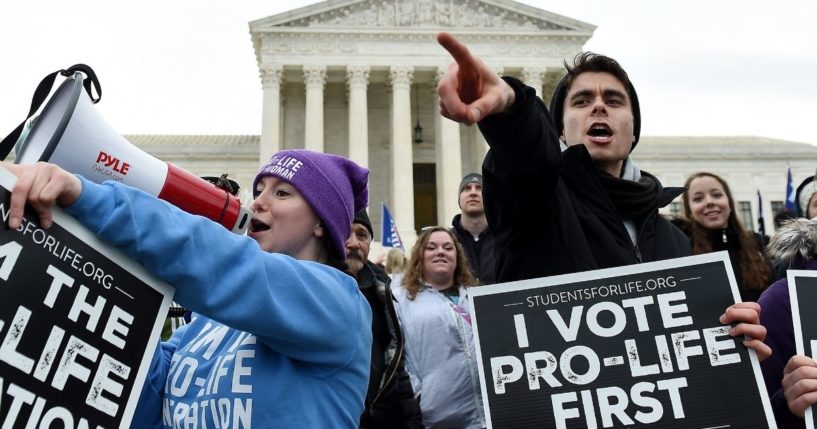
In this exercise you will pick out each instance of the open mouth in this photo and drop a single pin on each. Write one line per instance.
(258, 226)
(600, 130)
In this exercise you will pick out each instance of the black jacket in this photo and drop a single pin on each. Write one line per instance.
(480, 252)
(728, 240)
(390, 401)
(548, 210)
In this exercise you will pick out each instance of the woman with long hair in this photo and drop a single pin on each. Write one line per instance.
(281, 337)
(432, 304)
(712, 225)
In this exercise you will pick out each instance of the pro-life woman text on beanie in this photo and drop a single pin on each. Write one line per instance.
(281, 338)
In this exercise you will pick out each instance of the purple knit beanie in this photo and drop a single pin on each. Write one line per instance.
(335, 187)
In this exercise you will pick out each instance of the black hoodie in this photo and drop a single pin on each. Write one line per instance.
(480, 252)
(549, 210)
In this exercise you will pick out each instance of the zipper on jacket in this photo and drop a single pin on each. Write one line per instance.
(638, 254)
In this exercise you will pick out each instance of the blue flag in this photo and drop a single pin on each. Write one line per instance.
(389, 235)
(789, 193)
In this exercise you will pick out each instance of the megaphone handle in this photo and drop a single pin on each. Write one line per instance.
(41, 93)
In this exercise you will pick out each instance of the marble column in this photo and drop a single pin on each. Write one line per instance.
(402, 163)
(534, 77)
(480, 149)
(314, 79)
(358, 79)
(448, 152)
(271, 81)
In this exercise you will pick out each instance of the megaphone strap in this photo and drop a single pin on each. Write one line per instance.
(41, 93)
(91, 83)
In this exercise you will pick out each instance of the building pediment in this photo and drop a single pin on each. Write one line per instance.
(422, 14)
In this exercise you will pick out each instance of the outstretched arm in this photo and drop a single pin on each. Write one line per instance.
(218, 274)
(469, 90)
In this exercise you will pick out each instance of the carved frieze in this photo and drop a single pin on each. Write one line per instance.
(322, 44)
(424, 13)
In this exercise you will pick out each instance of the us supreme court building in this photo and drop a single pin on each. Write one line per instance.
(358, 79)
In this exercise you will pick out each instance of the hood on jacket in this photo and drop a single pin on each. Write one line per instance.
(795, 238)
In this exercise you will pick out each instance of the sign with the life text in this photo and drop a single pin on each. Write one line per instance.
(638, 346)
(803, 297)
(79, 323)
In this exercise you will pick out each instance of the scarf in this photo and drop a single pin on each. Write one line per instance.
(633, 199)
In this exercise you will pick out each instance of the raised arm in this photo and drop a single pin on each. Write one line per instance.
(305, 310)
(469, 91)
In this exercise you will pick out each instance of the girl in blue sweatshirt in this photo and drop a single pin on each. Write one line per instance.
(281, 338)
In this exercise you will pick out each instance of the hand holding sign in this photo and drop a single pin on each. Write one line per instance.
(747, 317)
(43, 185)
(78, 320)
(800, 384)
(648, 345)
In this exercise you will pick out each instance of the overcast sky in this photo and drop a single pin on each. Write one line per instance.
(701, 67)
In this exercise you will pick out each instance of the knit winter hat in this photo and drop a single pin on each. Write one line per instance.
(362, 218)
(335, 187)
(470, 178)
(557, 103)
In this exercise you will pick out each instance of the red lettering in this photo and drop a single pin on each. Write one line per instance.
(113, 162)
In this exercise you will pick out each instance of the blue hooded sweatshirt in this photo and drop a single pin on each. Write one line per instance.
(276, 342)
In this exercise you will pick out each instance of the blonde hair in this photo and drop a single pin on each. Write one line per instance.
(413, 280)
(395, 261)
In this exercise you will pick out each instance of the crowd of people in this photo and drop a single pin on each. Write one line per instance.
(327, 338)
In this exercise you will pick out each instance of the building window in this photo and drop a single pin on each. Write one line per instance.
(777, 207)
(746, 216)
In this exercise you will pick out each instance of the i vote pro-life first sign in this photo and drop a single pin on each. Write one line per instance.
(803, 297)
(79, 323)
(638, 346)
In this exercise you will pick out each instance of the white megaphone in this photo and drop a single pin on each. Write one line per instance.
(70, 133)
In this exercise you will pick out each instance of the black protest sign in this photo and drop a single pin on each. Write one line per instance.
(78, 325)
(803, 297)
(637, 346)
